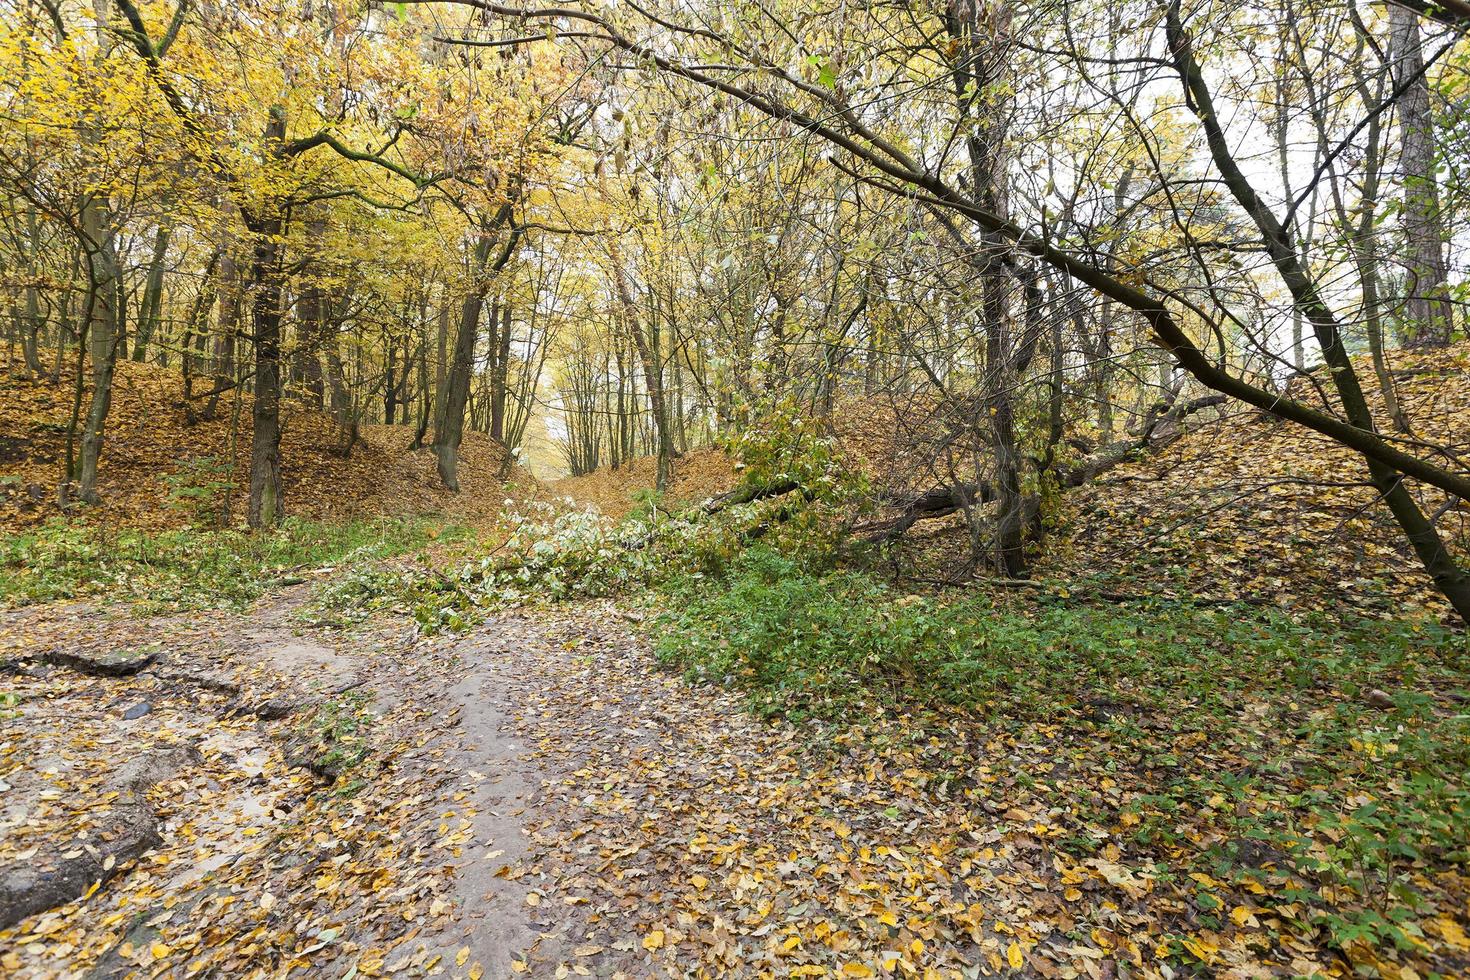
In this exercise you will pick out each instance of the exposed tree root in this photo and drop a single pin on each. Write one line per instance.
(127, 831)
(108, 663)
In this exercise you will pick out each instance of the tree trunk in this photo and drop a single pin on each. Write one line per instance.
(390, 383)
(312, 319)
(150, 309)
(266, 495)
(980, 35)
(105, 337)
(652, 373)
(1427, 310)
(30, 328)
(441, 363)
(450, 432)
(500, 374)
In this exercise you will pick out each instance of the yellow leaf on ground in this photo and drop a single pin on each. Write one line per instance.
(1015, 956)
(654, 940)
(160, 951)
(462, 956)
(857, 970)
(1452, 932)
(477, 971)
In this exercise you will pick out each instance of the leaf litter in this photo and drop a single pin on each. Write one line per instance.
(625, 823)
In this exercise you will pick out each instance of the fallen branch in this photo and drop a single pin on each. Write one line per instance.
(749, 494)
(1160, 429)
(938, 502)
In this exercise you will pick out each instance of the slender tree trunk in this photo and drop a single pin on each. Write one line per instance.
(312, 318)
(390, 383)
(30, 327)
(1428, 313)
(196, 332)
(500, 375)
(980, 34)
(441, 363)
(105, 338)
(652, 373)
(423, 423)
(450, 432)
(267, 504)
(150, 309)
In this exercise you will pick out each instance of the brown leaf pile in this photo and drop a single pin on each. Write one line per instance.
(151, 451)
(699, 473)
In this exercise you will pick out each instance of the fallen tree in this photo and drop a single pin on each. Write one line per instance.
(1162, 426)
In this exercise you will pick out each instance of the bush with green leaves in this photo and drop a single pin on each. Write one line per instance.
(557, 551)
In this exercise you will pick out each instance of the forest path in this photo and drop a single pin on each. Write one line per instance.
(536, 797)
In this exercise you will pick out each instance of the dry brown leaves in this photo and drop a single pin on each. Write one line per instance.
(691, 840)
(263, 870)
(699, 473)
(1247, 507)
(149, 441)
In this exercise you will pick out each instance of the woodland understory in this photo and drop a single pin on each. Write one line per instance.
(935, 489)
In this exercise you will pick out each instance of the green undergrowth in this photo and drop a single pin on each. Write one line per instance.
(838, 643)
(194, 568)
(1317, 762)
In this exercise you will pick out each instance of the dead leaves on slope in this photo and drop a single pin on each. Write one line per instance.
(151, 454)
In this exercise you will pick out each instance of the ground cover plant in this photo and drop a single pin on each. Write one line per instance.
(1296, 769)
(194, 567)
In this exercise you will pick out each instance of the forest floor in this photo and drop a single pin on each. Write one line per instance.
(165, 470)
(538, 796)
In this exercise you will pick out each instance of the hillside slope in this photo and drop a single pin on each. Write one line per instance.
(1251, 507)
(698, 474)
(158, 470)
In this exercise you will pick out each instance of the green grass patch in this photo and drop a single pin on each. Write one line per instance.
(193, 568)
(336, 737)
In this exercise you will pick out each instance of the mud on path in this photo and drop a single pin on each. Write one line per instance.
(303, 809)
(320, 801)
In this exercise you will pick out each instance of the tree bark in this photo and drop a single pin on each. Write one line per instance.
(1428, 313)
(105, 337)
(267, 504)
(499, 376)
(652, 372)
(150, 309)
(450, 431)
